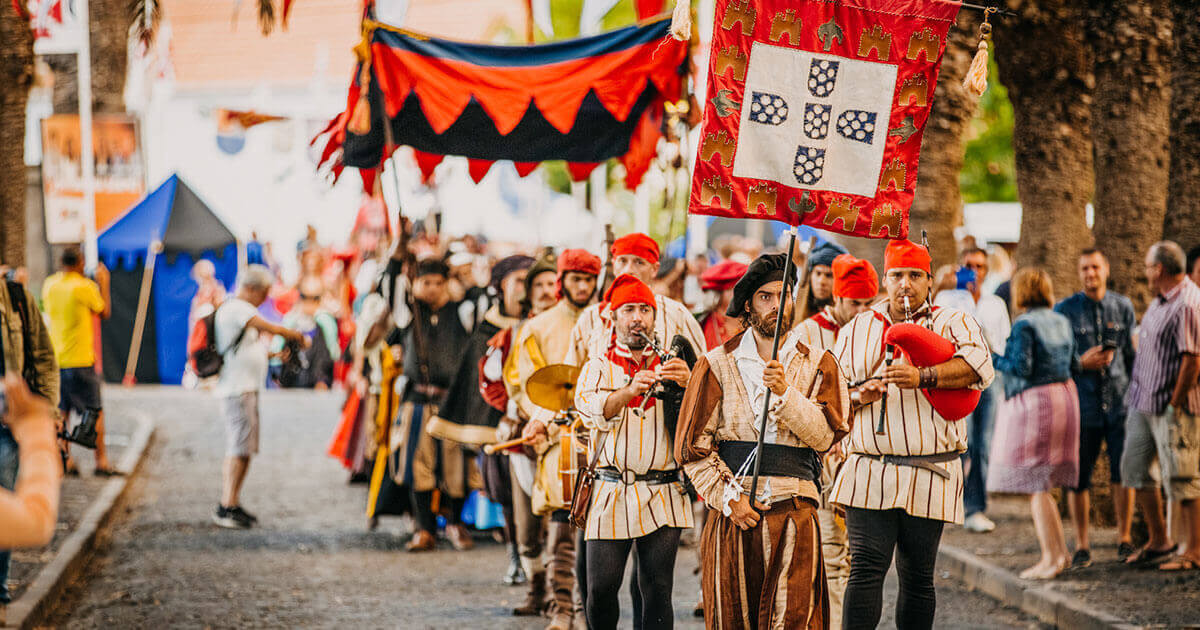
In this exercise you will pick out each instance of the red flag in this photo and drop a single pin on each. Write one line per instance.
(816, 110)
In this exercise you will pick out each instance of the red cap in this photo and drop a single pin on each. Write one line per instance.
(905, 254)
(722, 275)
(636, 244)
(854, 278)
(627, 289)
(578, 260)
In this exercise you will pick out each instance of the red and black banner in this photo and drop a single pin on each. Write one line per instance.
(583, 101)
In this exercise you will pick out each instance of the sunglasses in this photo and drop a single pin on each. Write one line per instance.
(310, 298)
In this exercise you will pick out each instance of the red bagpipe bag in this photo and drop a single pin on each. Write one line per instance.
(924, 348)
(816, 110)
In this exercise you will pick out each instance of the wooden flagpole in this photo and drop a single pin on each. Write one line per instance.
(762, 422)
(139, 322)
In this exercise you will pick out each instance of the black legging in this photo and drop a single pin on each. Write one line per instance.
(873, 536)
(655, 560)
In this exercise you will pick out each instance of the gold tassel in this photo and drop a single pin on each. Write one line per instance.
(977, 75)
(681, 20)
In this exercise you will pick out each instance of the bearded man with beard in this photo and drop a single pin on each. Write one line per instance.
(638, 502)
(762, 564)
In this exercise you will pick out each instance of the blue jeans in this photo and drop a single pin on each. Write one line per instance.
(979, 438)
(8, 479)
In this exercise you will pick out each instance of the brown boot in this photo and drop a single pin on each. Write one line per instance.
(562, 569)
(535, 599)
(459, 537)
(422, 541)
(562, 620)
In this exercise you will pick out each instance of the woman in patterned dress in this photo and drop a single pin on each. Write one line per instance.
(1036, 446)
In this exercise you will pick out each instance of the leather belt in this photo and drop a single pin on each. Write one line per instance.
(628, 477)
(924, 462)
(430, 391)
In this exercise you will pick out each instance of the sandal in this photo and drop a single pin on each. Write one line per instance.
(1179, 564)
(107, 472)
(1147, 556)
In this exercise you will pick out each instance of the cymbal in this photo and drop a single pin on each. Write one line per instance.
(553, 387)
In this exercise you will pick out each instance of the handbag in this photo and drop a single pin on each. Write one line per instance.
(581, 498)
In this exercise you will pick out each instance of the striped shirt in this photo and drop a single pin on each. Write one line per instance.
(1170, 328)
(819, 332)
(633, 440)
(912, 427)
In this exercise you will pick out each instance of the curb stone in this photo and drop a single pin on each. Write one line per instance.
(49, 583)
(1048, 605)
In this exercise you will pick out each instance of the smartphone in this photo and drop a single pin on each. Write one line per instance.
(1108, 338)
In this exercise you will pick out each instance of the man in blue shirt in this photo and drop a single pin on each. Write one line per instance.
(1103, 323)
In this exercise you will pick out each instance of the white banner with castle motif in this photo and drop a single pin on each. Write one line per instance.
(816, 111)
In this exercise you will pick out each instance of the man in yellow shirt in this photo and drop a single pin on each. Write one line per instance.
(71, 300)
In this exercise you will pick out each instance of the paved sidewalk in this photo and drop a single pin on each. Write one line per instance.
(78, 494)
(1112, 591)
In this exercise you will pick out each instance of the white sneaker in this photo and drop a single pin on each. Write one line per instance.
(979, 523)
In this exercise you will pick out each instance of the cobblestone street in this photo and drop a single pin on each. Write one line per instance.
(310, 563)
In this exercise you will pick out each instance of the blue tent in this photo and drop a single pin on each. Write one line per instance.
(188, 230)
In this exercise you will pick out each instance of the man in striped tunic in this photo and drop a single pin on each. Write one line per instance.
(635, 254)
(855, 287)
(762, 570)
(638, 502)
(902, 479)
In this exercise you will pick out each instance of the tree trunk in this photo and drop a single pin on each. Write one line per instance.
(1130, 124)
(109, 21)
(16, 77)
(1182, 223)
(937, 207)
(1052, 146)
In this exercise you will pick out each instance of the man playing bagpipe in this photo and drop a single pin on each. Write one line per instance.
(855, 286)
(762, 564)
(639, 503)
(635, 254)
(902, 479)
(543, 341)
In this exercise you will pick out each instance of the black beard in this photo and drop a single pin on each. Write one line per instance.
(571, 299)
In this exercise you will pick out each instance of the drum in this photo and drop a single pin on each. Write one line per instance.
(547, 493)
(557, 468)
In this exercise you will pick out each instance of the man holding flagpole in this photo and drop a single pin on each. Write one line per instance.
(762, 564)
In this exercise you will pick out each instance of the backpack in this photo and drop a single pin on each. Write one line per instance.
(16, 297)
(204, 357)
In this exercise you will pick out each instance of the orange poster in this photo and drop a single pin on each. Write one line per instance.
(120, 172)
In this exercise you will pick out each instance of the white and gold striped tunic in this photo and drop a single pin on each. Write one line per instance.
(912, 427)
(637, 441)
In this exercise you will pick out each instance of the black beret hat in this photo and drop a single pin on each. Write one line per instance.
(764, 269)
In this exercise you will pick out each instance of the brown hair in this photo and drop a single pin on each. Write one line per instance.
(1031, 288)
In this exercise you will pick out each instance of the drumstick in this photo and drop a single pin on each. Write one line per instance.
(491, 449)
